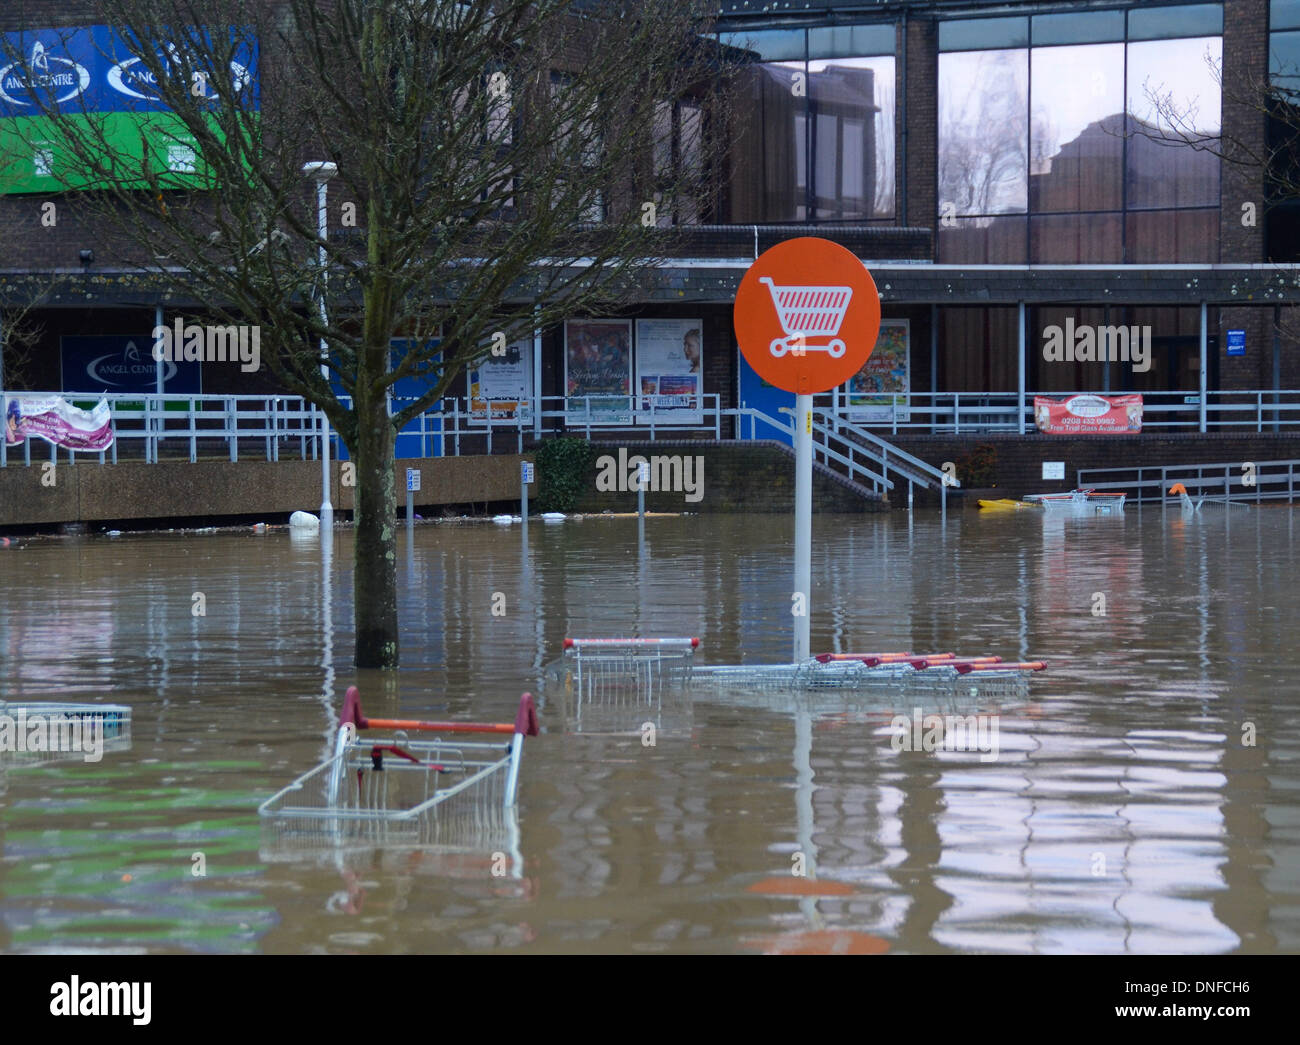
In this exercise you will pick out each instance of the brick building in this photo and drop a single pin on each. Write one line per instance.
(997, 165)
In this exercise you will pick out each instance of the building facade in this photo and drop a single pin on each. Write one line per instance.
(1007, 170)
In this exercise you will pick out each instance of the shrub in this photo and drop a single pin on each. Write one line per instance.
(562, 472)
(979, 467)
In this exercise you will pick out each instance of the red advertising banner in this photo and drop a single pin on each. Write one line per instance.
(1089, 415)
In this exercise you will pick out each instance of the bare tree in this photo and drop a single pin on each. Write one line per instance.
(494, 176)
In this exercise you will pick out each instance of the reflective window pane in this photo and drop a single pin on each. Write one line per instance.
(770, 44)
(1173, 99)
(1077, 134)
(1160, 23)
(979, 34)
(769, 163)
(983, 241)
(1284, 14)
(853, 147)
(1284, 60)
(983, 132)
(1173, 236)
(1076, 239)
(850, 41)
(1083, 28)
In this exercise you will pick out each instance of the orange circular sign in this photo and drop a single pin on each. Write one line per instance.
(807, 315)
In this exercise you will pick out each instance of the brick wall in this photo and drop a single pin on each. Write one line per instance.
(738, 477)
(922, 51)
(1020, 458)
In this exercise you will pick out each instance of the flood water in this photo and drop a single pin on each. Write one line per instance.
(1144, 796)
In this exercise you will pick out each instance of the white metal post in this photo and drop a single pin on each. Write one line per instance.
(537, 382)
(1020, 370)
(159, 372)
(803, 524)
(1204, 360)
(321, 172)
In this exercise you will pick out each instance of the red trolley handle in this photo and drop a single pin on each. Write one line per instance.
(525, 719)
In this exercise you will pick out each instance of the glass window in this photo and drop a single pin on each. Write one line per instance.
(1089, 27)
(1173, 101)
(1284, 60)
(983, 132)
(983, 241)
(770, 44)
(1284, 14)
(981, 34)
(1077, 135)
(853, 138)
(1160, 23)
(769, 162)
(1076, 239)
(850, 41)
(1173, 236)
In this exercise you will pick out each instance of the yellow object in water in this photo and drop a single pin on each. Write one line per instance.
(1006, 504)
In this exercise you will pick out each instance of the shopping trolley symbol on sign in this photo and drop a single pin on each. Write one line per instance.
(806, 313)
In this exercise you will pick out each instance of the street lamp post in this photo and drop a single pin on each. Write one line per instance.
(321, 172)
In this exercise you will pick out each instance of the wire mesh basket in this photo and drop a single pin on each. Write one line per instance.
(931, 677)
(46, 732)
(616, 685)
(457, 795)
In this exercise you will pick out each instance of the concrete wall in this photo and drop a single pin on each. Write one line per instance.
(90, 492)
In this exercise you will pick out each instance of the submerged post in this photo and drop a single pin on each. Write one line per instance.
(803, 526)
(1204, 361)
(412, 484)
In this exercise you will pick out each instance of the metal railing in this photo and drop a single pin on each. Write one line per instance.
(267, 425)
(957, 413)
(151, 420)
(1231, 479)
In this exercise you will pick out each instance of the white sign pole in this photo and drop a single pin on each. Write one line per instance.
(802, 527)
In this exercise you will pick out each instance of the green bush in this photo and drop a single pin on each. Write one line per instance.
(563, 466)
(979, 468)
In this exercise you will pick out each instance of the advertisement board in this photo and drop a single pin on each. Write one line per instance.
(105, 96)
(1089, 415)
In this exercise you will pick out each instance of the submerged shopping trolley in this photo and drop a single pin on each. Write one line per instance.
(46, 732)
(444, 791)
(932, 676)
(616, 685)
(809, 312)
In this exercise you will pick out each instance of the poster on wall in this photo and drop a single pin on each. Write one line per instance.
(1089, 415)
(669, 371)
(878, 392)
(598, 371)
(503, 384)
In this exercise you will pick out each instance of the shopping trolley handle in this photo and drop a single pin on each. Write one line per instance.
(525, 719)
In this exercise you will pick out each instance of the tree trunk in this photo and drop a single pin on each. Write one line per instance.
(374, 576)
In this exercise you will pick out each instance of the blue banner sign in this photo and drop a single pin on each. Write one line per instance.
(122, 363)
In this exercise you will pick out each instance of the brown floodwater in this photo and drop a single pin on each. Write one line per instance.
(1143, 798)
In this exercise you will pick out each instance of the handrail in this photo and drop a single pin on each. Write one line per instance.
(1225, 476)
(924, 467)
